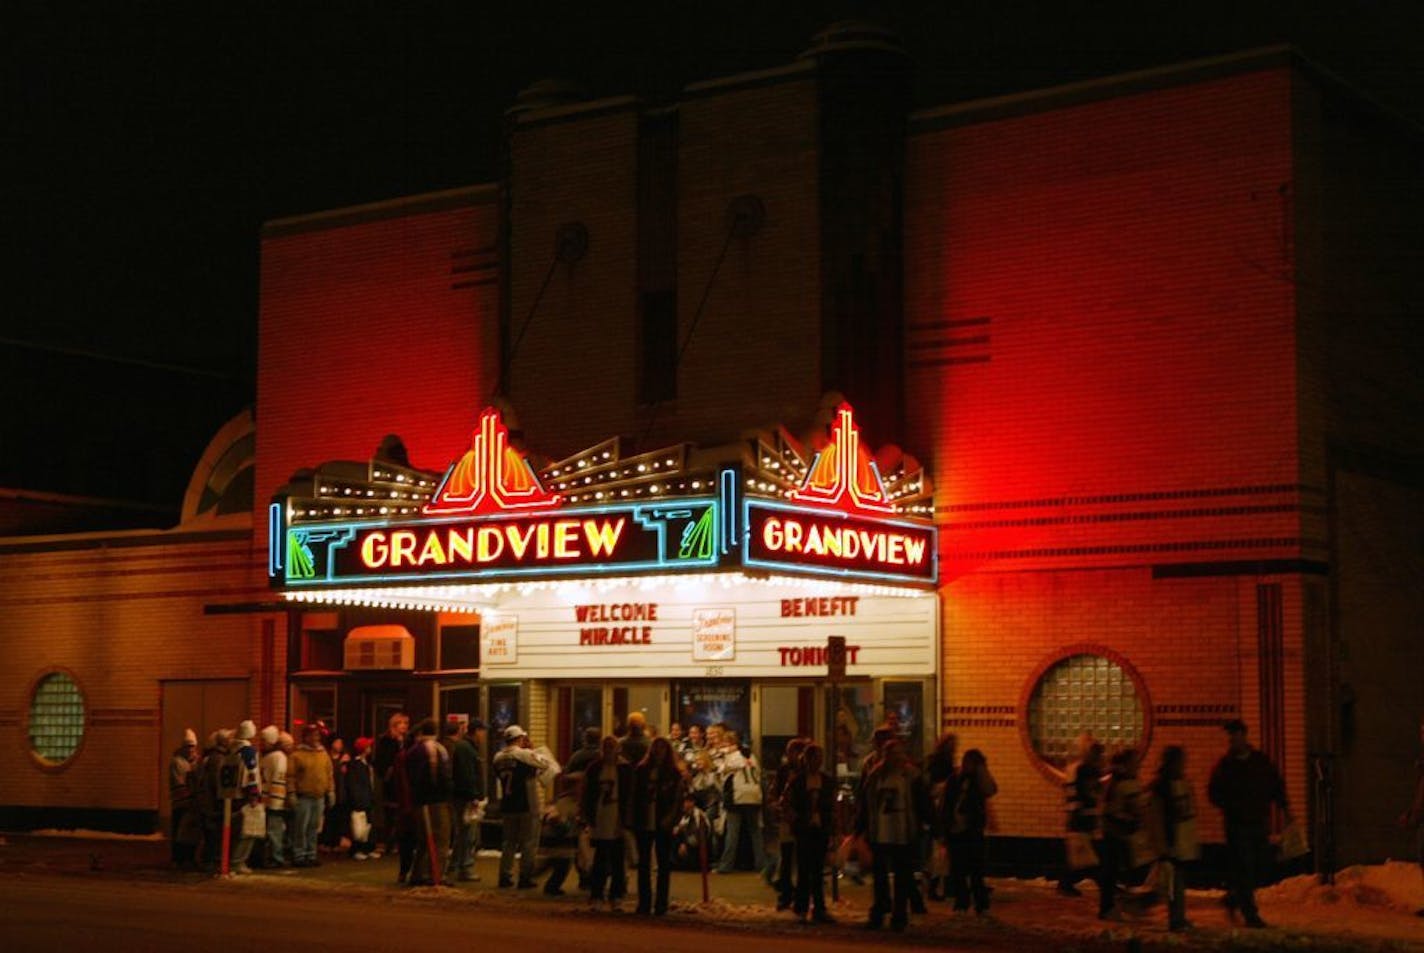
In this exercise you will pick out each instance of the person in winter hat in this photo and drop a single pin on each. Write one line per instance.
(273, 768)
(242, 785)
(359, 797)
(517, 767)
(182, 778)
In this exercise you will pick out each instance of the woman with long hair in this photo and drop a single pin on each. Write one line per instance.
(808, 805)
(607, 790)
(659, 781)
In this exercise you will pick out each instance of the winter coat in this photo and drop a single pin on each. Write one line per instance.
(1171, 819)
(808, 810)
(1245, 788)
(309, 772)
(273, 768)
(427, 766)
(181, 775)
(1122, 808)
(965, 807)
(634, 747)
(465, 782)
(591, 792)
(239, 778)
(660, 797)
(360, 785)
(897, 803)
(517, 771)
(205, 782)
(1084, 791)
(581, 759)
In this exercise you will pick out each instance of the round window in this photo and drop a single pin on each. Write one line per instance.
(56, 718)
(1085, 693)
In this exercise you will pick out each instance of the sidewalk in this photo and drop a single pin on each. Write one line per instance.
(1348, 918)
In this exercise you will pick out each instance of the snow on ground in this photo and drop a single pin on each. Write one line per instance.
(81, 834)
(1393, 885)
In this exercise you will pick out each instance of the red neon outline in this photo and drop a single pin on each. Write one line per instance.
(491, 477)
(842, 475)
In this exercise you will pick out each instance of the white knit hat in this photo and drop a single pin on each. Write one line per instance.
(246, 731)
(269, 735)
(190, 737)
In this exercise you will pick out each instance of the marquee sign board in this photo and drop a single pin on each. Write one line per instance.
(491, 519)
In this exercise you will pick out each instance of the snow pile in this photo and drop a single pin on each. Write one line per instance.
(81, 834)
(1393, 885)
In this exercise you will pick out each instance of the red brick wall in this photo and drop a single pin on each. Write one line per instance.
(1100, 340)
(372, 327)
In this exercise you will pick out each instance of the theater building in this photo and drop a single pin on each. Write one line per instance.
(1133, 374)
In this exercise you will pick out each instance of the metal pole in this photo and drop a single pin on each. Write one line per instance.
(226, 836)
(430, 845)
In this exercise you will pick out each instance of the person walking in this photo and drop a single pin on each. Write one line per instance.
(309, 778)
(428, 771)
(1122, 819)
(517, 767)
(1244, 784)
(1068, 879)
(808, 806)
(182, 780)
(659, 781)
(273, 768)
(895, 807)
(940, 766)
(965, 819)
(604, 808)
(1083, 846)
(1171, 821)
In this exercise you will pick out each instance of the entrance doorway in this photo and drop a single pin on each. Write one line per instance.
(204, 706)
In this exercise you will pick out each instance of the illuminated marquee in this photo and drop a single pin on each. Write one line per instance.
(573, 542)
(492, 516)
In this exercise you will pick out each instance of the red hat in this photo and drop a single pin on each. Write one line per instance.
(362, 746)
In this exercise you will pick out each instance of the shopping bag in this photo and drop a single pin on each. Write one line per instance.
(360, 827)
(254, 820)
(1078, 848)
(1293, 841)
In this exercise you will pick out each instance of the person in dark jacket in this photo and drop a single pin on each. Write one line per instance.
(603, 808)
(580, 760)
(466, 790)
(939, 766)
(658, 785)
(964, 820)
(518, 768)
(786, 840)
(1122, 818)
(895, 808)
(1084, 791)
(384, 752)
(427, 765)
(1172, 819)
(1244, 785)
(808, 806)
(360, 796)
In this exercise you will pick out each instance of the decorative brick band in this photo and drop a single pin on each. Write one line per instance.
(978, 710)
(979, 723)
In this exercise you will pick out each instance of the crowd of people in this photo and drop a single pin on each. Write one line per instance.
(694, 800)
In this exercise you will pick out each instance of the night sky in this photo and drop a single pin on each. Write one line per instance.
(153, 139)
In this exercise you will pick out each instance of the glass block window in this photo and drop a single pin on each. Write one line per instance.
(1084, 693)
(56, 718)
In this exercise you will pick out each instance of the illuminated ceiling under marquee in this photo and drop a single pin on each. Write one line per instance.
(765, 507)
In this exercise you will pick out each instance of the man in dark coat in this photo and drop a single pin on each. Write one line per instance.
(1244, 785)
(466, 790)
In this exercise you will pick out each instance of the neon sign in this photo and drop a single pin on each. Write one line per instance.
(780, 536)
(491, 518)
(677, 534)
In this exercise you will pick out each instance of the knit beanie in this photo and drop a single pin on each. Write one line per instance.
(246, 731)
(190, 737)
(270, 734)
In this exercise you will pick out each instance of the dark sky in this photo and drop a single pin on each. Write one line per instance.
(154, 138)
